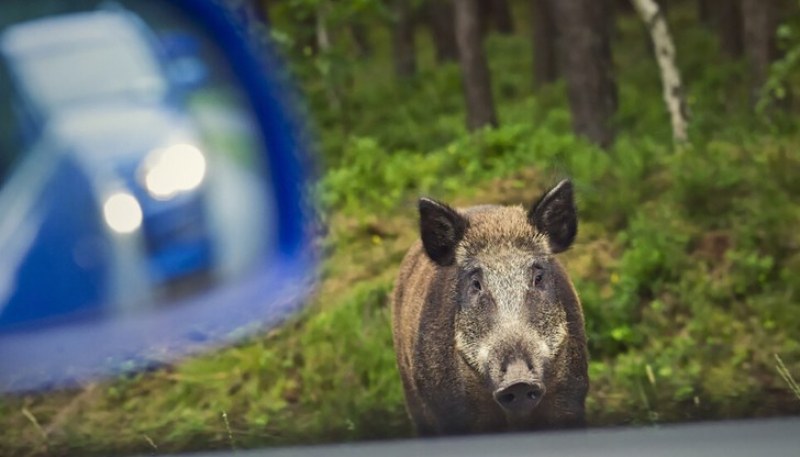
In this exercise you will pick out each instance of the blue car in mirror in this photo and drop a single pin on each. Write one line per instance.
(154, 194)
(91, 87)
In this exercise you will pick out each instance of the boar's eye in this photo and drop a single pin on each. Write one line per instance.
(538, 276)
(475, 281)
(476, 285)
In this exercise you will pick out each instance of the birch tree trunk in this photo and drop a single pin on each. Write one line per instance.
(323, 38)
(656, 23)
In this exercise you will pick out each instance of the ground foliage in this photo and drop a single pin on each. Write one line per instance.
(686, 261)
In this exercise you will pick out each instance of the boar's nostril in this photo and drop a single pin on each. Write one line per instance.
(536, 391)
(506, 398)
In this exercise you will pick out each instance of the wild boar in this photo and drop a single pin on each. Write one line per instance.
(487, 326)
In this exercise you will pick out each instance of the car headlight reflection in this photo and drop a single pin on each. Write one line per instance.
(178, 168)
(122, 212)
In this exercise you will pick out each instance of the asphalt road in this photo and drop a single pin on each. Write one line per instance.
(773, 437)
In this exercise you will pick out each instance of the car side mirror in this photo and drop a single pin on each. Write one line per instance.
(139, 227)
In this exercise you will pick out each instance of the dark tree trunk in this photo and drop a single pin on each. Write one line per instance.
(584, 44)
(545, 55)
(704, 12)
(623, 6)
(474, 68)
(726, 16)
(404, 51)
(443, 32)
(484, 15)
(760, 23)
(664, 6)
(503, 19)
(361, 39)
(495, 14)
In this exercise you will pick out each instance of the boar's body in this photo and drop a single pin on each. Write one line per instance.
(488, 330)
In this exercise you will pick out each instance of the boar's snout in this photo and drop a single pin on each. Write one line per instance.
(519, 392)
(521, 397)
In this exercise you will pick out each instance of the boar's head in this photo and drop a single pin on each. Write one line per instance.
(511, 294)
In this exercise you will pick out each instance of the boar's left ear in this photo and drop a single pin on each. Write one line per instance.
(555, 215)
(441, 228)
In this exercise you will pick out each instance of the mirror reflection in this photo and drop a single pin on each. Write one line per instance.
(130, 164)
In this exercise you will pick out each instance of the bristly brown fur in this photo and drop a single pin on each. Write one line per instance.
(499, 225)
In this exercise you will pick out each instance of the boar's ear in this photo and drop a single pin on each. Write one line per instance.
(555, 216)
(441, 228)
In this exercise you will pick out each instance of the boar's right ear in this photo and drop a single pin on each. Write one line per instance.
(441, 228)
(555, 216)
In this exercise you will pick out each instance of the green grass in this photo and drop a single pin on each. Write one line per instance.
(787, 376)
(686, 260)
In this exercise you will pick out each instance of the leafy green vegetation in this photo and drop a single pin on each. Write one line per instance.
(687, 259)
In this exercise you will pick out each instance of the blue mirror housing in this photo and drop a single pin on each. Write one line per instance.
(130, 244)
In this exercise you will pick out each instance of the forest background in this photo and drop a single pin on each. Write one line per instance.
(688, 252)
